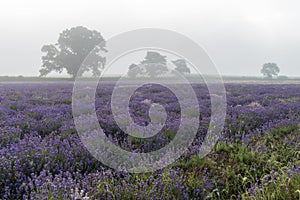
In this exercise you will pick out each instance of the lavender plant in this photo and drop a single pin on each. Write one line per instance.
(42, 157)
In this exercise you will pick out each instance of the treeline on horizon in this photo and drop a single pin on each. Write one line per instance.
(21, 78)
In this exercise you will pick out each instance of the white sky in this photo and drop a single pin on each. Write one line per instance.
(238, 35)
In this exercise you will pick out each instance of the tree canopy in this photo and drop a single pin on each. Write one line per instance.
(134, 70)
(181, 66)
(71, 49)
(270, 70)
(153, 65)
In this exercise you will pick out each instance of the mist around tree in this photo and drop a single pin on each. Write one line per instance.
(71, 49)
(75, 44)
(154, 65)
(270, 70)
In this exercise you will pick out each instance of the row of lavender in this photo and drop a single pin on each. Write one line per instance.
(42, 156)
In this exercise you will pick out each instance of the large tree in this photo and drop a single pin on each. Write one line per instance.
(270, 69)
(71, 49)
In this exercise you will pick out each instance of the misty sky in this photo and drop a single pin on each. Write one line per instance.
(239, 36)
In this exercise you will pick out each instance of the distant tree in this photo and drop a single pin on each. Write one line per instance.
(72, 47)
(270, 69)
(133, 71)
(155, 69)
(154, 57)
(181, 66)
(154, 64)
(283, 77)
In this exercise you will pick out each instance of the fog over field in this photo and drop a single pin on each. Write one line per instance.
(239, 36)
(149, 99)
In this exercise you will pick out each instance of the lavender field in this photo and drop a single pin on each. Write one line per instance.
(257, 157)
